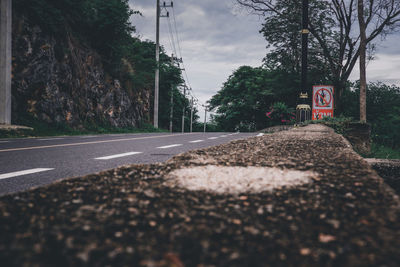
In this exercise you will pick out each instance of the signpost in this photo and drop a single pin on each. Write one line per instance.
(322, 101)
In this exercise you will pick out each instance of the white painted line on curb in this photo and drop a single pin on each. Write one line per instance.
(175, 145)
(25, 172)
(196, 141)
(119, 155)
(213, 138)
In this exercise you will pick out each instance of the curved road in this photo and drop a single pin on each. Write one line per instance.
(30, 162)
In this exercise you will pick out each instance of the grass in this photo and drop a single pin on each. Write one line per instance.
(382, 152)
(43, 129)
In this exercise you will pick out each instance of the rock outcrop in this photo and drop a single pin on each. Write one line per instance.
(62, 80)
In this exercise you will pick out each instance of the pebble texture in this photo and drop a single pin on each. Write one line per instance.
(347, 216)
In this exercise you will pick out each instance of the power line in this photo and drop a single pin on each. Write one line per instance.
(175, 45)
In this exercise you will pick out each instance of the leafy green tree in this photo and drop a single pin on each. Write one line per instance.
(247, 96)
(383, 111)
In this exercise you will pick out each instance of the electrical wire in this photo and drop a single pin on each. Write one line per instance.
(174, 42)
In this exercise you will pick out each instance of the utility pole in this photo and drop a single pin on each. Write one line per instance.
(157, 75)
(205, 118)
(183, 111)
(191, 116)
(5, 61)
(171, 113)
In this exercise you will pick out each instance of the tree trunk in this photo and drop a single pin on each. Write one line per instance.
(363, 76)
(338, 93)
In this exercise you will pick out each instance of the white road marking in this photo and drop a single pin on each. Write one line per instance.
(196, 141)
(260, 134)
(49, 139)
(25, 172)
(213, 138)
(119, 155)
(90, 143)
(89, 136)
(4, 141)
(223, 136)
(164, 147)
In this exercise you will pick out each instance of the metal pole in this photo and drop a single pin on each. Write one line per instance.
(304, 47)
(205, 118)
(191, 116)
(183, 111)
(303, 110)
(171, 113)
(157, 75)
(5, 61)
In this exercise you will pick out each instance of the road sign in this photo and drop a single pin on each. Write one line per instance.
(322, 101)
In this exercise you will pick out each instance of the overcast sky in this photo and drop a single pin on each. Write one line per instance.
(216, 38)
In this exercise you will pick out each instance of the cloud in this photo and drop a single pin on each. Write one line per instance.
(217, 37)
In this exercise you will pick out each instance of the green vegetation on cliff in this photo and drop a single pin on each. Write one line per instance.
(105, 27)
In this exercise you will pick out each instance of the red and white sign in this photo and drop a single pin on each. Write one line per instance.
(322, 101)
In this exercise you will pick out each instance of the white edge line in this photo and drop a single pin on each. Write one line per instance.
(25, 172)
(48, 139)
(196, 141)
(119, 155)
(175, 145)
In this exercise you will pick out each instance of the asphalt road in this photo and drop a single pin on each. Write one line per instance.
(31, 162)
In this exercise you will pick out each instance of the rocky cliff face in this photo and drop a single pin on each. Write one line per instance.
(60, 80)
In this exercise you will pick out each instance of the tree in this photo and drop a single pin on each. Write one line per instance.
(363, 48)
(332, 25)
(248, 95)
(383, 112)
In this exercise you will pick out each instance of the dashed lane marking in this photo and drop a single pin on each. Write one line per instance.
(4, 141)
(223, 136)
(25, 172)
(213, 138)
(49, 139)
(89, 143)
(119, 155)
(169, 146)
(196, 141)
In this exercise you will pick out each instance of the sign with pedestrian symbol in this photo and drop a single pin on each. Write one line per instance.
(322, 101)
